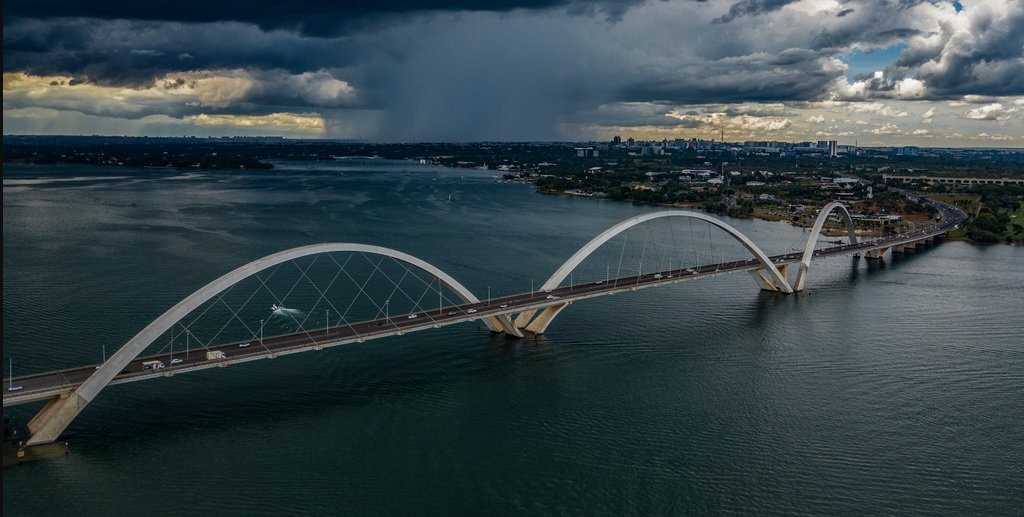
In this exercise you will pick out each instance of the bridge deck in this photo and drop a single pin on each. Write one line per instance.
(54, 384)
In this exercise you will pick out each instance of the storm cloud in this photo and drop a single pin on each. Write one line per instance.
(516, 70)
(319, 18)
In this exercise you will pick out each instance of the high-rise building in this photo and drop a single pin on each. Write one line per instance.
(617, 140)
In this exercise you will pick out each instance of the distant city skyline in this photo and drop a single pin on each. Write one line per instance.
(906, 73)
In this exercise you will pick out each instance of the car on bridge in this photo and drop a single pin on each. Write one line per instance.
(413, 316)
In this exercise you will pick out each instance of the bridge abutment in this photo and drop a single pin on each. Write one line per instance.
(507, 326)
(801, 277)
(767, 282)
(541, 322)
(876, 254)
(55, 416)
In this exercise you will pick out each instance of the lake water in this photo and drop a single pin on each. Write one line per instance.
(885, 388)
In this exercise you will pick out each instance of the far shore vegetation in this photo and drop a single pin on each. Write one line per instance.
(723, 178)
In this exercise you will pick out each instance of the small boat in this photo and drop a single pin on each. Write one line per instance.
(278, 308)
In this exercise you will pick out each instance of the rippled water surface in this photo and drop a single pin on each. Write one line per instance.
(886, 388)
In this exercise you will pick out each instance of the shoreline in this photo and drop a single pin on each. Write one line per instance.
(953, 235)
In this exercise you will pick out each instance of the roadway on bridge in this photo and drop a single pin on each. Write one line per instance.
(47, 385)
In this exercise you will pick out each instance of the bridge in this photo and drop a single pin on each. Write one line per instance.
(67, 392)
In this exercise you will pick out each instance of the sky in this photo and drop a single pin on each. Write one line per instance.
(875, 72)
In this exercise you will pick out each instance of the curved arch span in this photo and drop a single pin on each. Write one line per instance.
(777, 279)
(54, 418)
(812, 239)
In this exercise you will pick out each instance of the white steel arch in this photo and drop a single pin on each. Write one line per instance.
(812, 239)
(776, 278)
(47, 425)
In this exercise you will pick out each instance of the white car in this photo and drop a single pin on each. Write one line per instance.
(551, 297)
(176, 361)
(502, 306)
(413, 316)
(657, 276)
(244, 345)
(470, 311)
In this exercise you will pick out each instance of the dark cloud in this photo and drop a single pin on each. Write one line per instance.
(321, 18)
(752, 8)
(126, 53)
(862, 32)
(794, 74)
(455, 70)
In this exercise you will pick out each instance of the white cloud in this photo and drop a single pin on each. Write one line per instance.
(928, 116)
(304, 122)
(178, 94)
(886, 129)
(995, 111)
(875, 108)
(39, 121)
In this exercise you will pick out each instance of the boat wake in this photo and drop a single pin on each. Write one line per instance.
(281, 310)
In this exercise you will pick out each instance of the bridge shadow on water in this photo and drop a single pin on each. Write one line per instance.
(862, 268)
(859, 268)
(413, 370)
